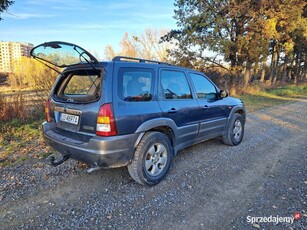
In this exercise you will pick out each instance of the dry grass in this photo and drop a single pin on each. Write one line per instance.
(21, 141)
(18, 106)
(20, 131)
(12, 107)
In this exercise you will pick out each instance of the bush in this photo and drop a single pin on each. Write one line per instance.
(17, 106)
(31, 73)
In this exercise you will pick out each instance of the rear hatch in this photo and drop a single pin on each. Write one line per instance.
(76, 96)
(62, 54)
(75, 103)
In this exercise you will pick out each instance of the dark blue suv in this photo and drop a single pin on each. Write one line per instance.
(132, 112)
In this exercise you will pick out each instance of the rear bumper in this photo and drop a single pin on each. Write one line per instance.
(106, 152)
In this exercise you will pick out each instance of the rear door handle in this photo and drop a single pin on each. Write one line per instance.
(172, 110)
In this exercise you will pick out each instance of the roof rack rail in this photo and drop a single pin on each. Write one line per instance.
(124, 58)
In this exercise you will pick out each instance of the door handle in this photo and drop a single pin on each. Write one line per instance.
(172, 110)
(206, 107)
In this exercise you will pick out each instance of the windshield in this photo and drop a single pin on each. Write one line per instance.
(62, 54)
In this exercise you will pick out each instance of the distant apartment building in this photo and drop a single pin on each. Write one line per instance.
(11, 52)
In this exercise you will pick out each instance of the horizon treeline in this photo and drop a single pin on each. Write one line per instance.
(242, 41)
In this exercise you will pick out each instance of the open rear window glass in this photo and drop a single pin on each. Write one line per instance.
(79, 86)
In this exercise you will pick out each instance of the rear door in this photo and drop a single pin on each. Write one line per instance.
(212, 109)
(134, 96)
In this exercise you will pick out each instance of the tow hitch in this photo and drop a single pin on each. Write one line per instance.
(56, 163)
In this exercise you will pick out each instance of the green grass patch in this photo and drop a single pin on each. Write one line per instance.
(273, 97)
(290, 91)
(21, 140)
(256, 102)
(16, 130)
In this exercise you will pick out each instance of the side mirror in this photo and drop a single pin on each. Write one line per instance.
(223, 94)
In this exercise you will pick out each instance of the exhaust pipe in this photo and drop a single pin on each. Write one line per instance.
(56, 163)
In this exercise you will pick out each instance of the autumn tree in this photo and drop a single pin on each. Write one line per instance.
(239, 30)
(129, 46)
(28, 72)
(146, 45)
(282, 19)
(4, 5)
(221, 26)
(299, 54)
(109, 52)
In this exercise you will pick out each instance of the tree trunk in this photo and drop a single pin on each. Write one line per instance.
(284, 70)
(305, 68)
(273, 64)
(247, 73)
(298, 67)
(233, 74)
(275, 70)
(255, 71)
(289, 75)
(300, 70)
(232, 90)
(263, 71)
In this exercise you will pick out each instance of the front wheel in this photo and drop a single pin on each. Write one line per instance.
(235, 130)
(152, 159)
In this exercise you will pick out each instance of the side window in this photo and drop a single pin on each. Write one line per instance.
(174, 85)
(204, 88)
(135, 84)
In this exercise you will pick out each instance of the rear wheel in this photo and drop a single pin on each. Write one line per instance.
(235, 130)
(152, 159)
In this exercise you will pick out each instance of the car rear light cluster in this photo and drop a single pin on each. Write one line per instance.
(47, 111)
(105, 121)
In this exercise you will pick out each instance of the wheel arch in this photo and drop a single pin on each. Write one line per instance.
(240, 109)
(242, 112)
(167, 131)
(163, 125)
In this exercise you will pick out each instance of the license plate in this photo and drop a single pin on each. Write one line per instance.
(72, 119)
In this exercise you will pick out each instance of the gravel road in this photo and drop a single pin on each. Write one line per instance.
(209, 186)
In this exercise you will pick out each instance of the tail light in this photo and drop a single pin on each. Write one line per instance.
(105, 121)
(47, 111)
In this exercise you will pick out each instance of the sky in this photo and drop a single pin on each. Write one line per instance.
(91, 24)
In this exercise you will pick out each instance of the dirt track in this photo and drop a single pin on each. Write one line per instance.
(210, 186)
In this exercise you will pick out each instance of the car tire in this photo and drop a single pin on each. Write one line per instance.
(235, 131)
(152, 159)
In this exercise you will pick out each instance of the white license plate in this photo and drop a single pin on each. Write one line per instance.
(72, 119)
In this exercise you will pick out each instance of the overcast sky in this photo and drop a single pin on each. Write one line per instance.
(90, 24)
